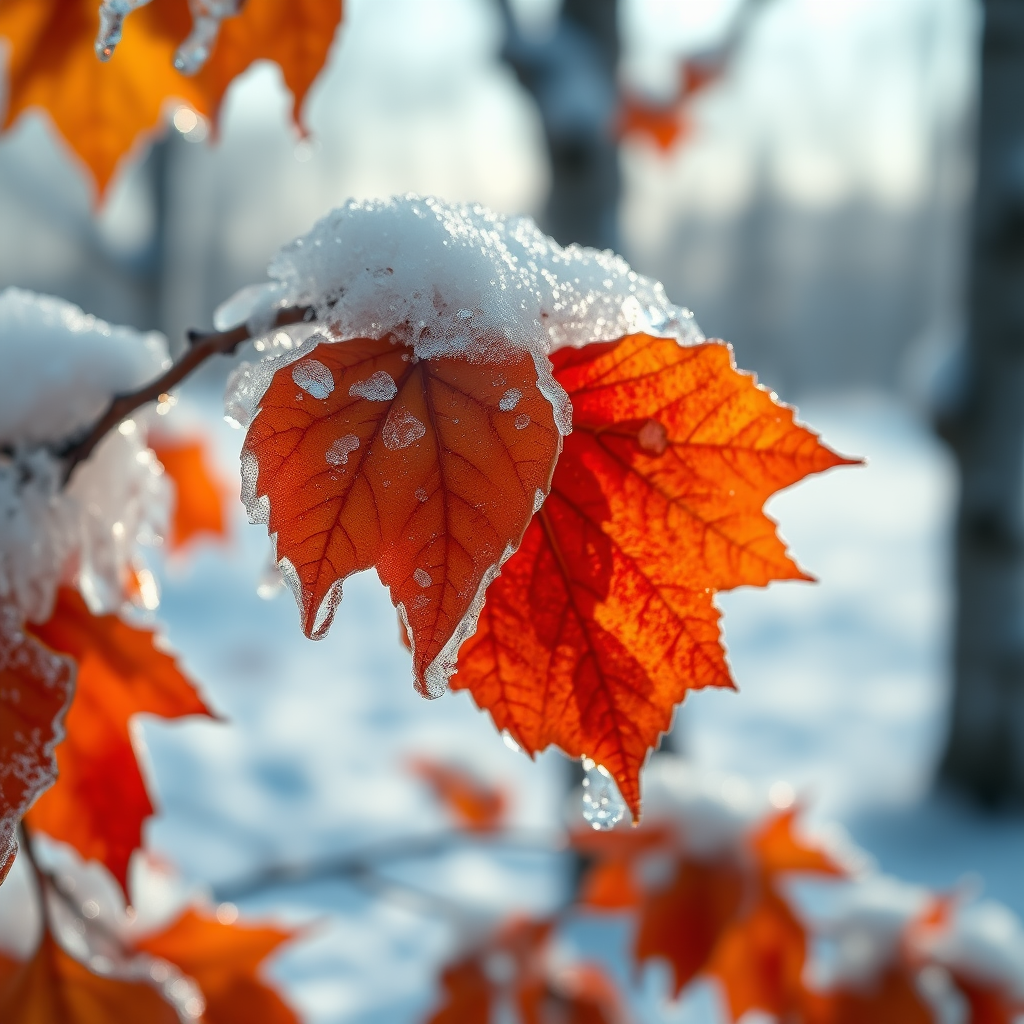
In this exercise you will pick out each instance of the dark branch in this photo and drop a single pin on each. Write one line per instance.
(202, 345)
(361, 864)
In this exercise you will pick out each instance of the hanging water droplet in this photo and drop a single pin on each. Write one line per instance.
(271, 580)
(506, 738)
(603, 806)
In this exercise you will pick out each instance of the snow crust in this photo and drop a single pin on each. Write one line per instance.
(62, 368)
(450, 280)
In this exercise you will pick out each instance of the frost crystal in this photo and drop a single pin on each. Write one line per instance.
(62, 367)
(451, 280)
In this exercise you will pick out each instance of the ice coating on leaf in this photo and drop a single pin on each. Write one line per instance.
(338, 453)
(313, 377)
(510, 399)
(401, 429)
(61, 369)
(378, 387)
(207, 15)
(112, 15)
(454, 280)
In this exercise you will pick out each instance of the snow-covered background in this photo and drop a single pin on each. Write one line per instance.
(815, 219)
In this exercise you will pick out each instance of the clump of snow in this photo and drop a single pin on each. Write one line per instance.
(62, 368)
(450, 280)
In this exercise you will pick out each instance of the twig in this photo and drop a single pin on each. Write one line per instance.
(202, 345)
(362, 863)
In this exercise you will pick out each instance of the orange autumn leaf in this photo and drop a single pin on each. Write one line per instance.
(989, 1003)
(778, 848)
(54, 988)
(101, 801)
(225, 961)
(892, 998)
(419, 467)
(103, 109)
(200, 497)
(605, 618)
(512, 972)
(35, 689)
(475, 805)
(759, 959)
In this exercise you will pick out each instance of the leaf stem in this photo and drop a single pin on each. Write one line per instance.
(202, 345)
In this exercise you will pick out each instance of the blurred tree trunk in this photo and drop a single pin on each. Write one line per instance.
(985, 750)
(572, 76)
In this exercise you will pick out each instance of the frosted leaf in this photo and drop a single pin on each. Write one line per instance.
(510, 399)
(538, 499)
(453, 280)
(207, 15)
(339, 451)
(422, 577)
(522, 421)
(401, 429)
(421, 494)
(313, 377)
(380, 387)
(112, 15)
(603, 806)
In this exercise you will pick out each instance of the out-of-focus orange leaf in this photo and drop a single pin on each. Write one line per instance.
(54, 988)
(989, 1004)
(475, 805)
(609, 881)
(667, 123)
(421, 468)
(892, 998)
(102, 109)
(200, 496)
(512, 969)
(604, 619)
(35, 690)
(100, 801)
(778, 848)
(467, 994)
(225, 961)
(683, 922)
(759, 959)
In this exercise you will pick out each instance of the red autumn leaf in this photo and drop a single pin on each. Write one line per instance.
(892, 998)
(54, 988)
(200, 497)
(225, 962)
(989, 1004)
(759, 959)
(610, 882)
(604, 619)
(370, 457)
(467, 994)
(778, 848)
(35, 690)
(100, 801)
(475, 805)
(102, 109)
(513, 969)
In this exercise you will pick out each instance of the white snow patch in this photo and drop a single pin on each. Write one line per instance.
(454, 280)
(62, 367)
(339, 451)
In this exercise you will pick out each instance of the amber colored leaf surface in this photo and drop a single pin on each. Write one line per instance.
(604, 619)
(200, 496)
(475, 805)
(225, 961)
(466, 994)
(100, 802)
(102, 109)
(35, 689)
(54, 988)
(421, 468)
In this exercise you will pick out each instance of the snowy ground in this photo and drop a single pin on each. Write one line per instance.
(843, 693)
